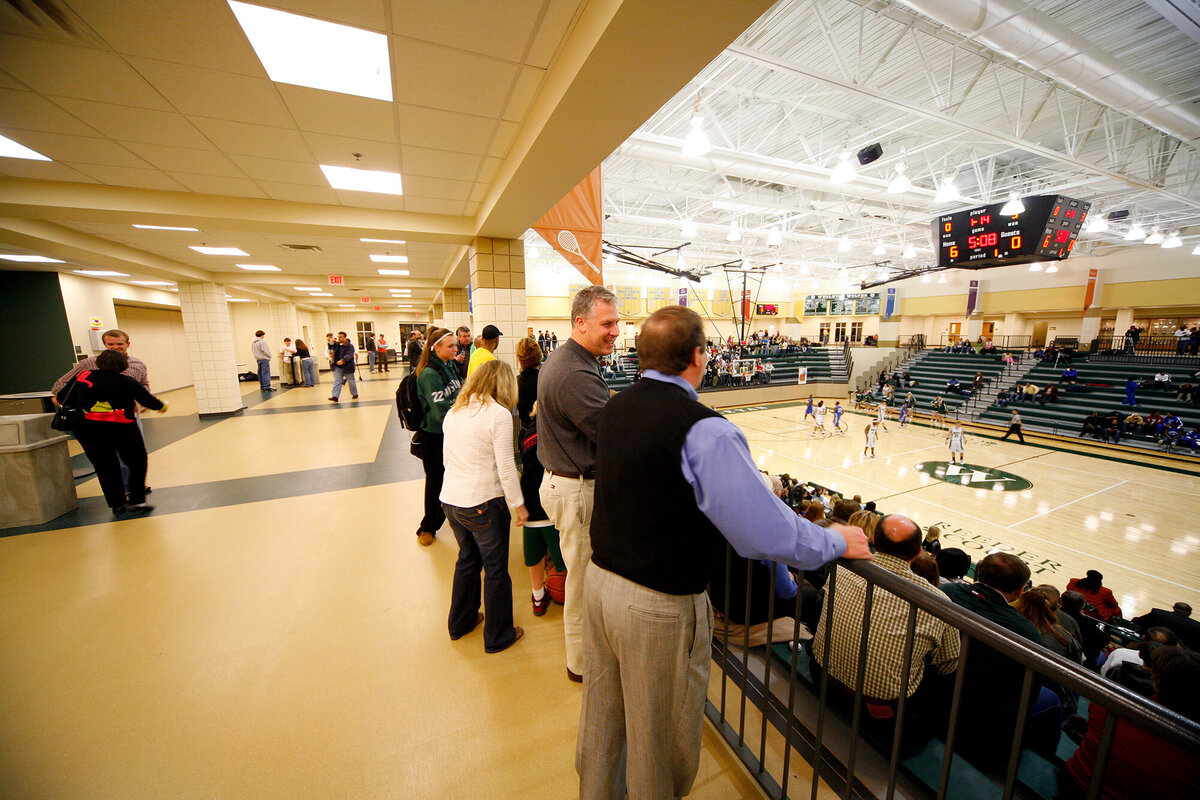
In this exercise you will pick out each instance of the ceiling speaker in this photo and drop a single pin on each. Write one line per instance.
(869, 153)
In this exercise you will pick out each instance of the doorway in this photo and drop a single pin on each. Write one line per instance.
(989, 330)
(955, 331)
(1039, 333)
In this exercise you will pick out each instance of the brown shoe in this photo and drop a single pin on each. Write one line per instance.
(574, 677)
(520, 632)
(425, 538)
(478, 622)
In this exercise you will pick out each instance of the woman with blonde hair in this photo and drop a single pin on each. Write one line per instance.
(867, 520)
(481, 485)
(932, 543)
(437, 386)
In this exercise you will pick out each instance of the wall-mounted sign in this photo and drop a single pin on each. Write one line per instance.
(95, 323)
(837, 305)
(337, 280)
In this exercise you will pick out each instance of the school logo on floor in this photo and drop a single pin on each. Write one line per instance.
(974, 476)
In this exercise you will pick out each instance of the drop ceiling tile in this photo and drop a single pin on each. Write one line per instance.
(471, 210)
(487, 172)
(216, 93)
(202, 34)
(444, 130)
(9, 82)
(436, 187)
(126, 176)
(433, 205)
(253, 140)
(300, 194)
(389, 202)
(318, 111)
(505, 133)
(25, 110)
(439, 163)
(478, 192)
(186, 159)
(70, 71)
(338, 151)
(442, 77)
(81, 149)
(498, 28)
(136, 124)
(274, 169)
(216, 184)
(550, 35)
(528, 83)
(42, 171)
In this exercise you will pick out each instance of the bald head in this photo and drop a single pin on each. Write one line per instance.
(898, 536)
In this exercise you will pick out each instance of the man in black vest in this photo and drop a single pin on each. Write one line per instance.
(674, 481)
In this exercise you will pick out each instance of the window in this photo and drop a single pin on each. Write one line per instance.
(362, 331)
(856, 331)
(839, 332)
(824, 336)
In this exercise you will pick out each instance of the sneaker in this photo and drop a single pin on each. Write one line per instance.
(333, 399)
(353, 397)
(540, 606)
(134, 508)
(425, 538)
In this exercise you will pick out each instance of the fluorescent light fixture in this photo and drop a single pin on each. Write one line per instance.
(320, 294)
(1196, 252)
(385, 241)
(816, 284)
(1097, 224)
(947, 193)
(1035, 267)
(11, 149)
(307, 288)
(942, 279)
(153, 283)
(1136, 233)
(389, 259)
(1051, 269)
(219, 251)
(259, 268)
(696, 142)
(734, 234)
(402, 305)
(900, 183)
(236, 300)
(1172, 241)
(1013, 207)
(164, 228)
(363, 180)
(909, 252)
(321, 55)
(844, 171)
(879, 250)
(688, 229)
(774, 238)
(844, 245)
(400, 291)
(347, 305)
(33, 259)
(102, 273)
(1155, 236)
(400, 272)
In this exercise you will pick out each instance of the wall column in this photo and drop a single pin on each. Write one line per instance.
(973, 328)
(456, 309)
(209, 334)
(1090, 328)
(498, 291)
(1124, 320)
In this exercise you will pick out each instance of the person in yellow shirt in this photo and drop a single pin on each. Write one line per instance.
(490, 340)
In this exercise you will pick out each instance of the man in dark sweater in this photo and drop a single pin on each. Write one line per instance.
(1178, 619)
(666, 501)
(992, 687)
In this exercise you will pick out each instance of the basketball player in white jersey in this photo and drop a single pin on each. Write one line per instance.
(957, 441)
(882, 415)
(871, 431)
(819, 421)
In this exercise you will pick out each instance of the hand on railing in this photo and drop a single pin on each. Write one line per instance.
(857, 545)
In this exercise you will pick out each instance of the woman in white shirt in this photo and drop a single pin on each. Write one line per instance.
(480, 486)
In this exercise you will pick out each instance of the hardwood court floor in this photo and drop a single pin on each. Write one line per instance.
(1133, 522)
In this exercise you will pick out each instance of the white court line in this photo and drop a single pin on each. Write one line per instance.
(1156, 486)
(1064, 505)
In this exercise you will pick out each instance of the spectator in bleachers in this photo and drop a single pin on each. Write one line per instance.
(1050, 354)
(1190, 440)
(953, 386)
(1092, 425)
(926, 566)
(1186, 393)
(1048, 394)
(1182, 338)
(1127, 665)
(977, 382)
(1194, 342)
(1092, 587)
(1162, 381)
(867, 520)
(1039, 354)
(897, 543)
(1133, 423)
(1040, 607)
(953, 565)
(1009, 360)
(1069, 375)
(992, 685)
(1092, 634)
(988, 347)
(932, 543)
(1111, 430)
(1153, 420)
(1140, 764)
(1031, 390)
(1067, 622)
(843, 509)
(1001, 400)
(1178, 619)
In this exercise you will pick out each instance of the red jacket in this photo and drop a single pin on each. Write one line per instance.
(1102, 599)
(1140, 766)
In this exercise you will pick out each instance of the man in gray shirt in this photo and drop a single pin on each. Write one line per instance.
(262, 354)
(571, 394)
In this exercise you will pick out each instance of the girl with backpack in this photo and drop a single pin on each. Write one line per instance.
(437, 388)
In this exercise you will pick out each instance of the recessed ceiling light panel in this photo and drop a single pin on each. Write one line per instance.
(259, 268)
(385, 241)
(102, 273)
(219, 251)
(400, 272)
(11, 149)
(321, 55)
(153, 283)
(33, 259)
(389, 259)
(363, 180)
(164, 228)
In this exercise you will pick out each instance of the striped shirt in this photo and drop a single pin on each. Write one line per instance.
(135, 370)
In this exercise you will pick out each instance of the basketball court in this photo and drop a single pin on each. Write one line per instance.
(1062, 512)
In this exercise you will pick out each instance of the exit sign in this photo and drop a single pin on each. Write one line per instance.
(337, 280)
(366, 299)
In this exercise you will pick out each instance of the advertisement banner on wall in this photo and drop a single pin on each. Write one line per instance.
(683, 296)
(802, 375)
(889, 307)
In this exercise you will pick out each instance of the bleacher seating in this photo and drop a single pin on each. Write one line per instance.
(932, 368)
(1100, 387)
(823, 363)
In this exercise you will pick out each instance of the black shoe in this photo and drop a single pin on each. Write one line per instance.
(148, 490)
(353, 397)
(133, 508)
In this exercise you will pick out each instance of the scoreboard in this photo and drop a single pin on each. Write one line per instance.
(766, 309)
(983, 237)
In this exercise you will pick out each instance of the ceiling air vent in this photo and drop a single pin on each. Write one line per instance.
(312, 248)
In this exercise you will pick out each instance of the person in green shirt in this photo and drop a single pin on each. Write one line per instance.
(437, 385)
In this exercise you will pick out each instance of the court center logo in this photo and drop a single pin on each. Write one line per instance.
(974, 476)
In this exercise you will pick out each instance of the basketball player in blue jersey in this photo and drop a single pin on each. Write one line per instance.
(904, 414)
(837, 419)
(808, 412)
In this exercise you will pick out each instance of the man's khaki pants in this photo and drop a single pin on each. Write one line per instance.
(568, 503)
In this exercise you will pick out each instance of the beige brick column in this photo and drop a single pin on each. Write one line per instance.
(456, 309)
(498, 291)
(209, 335)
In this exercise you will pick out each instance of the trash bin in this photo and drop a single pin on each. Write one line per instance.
(36, 484)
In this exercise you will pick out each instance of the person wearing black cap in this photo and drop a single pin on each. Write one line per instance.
(490, 340)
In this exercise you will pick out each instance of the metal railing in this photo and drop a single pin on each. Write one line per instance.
(808, 740)
(1021, 341)
(1118, 347)
(904, 352)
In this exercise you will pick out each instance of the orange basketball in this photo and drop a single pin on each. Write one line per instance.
(556, 585)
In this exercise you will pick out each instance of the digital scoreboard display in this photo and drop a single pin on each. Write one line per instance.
(983, 237)
(766, 309)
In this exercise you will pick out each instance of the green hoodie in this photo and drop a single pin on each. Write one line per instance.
(437, 385)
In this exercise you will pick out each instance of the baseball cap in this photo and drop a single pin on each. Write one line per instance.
(491, 332)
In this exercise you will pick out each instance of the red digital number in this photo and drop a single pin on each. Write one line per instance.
(1046, 243)
(1062, 235)
(1056, 210)
(982, 240)
(1071, 214)
(1015, 244)
(985, 219)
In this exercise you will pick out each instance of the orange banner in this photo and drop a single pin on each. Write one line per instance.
(575, 227)
(1090, 295)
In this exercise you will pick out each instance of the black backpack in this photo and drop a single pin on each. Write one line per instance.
(408, 403)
